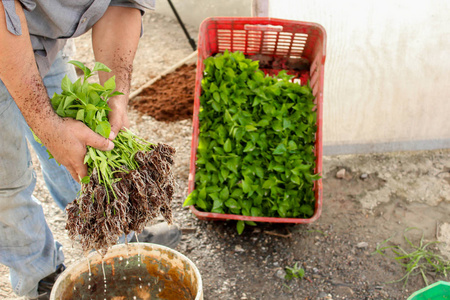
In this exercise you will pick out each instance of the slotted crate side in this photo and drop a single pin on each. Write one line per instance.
(264, 37)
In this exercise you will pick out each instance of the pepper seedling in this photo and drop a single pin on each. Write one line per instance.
(255, 155)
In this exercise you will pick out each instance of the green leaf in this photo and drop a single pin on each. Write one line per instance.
(216, 106)
(217, 210)
(116, 93)
(269, 183)
(210, 167)
(68, 101)
(293, 96)
(237, 193)
(249, 147)
(60, 110)
(240, 225)
(66, 84)
(103, 128)
(277, 126)
(231, 203)
(256, 211)
(307, 210)
(292, 146)
(81, 66)
(224, 194)
(280, 149)
(201, 203)
(263, 123)
(213, 87)
(242, 66)
(233, 165)
(100, 67)
(240, 132)
(228, 146)
(246, 186)
(247, 204)
(217, 204)
(279, 168)
(295, 179)
(202, 194)
(259, 171)
(110, 84)
(218, 62)
(215, 197)
(80, 115)
(216, 97)
(224, 97)
(224, 172)
(227, 116)
(97, 87)
(230, 73)
(286, 123)
(85, 179)
(90, 113)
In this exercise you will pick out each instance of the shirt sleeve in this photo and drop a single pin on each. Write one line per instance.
(139, 4)
(12, 19)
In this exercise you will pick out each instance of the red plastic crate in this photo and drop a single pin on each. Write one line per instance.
(298, 47)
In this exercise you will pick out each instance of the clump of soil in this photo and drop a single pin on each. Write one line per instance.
(98, 217)
(170, 98)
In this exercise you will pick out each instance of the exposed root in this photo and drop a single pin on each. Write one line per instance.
(98, 217)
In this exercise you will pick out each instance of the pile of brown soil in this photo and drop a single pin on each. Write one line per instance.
(170, 98)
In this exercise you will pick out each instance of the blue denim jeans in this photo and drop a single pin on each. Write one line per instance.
(27, 245)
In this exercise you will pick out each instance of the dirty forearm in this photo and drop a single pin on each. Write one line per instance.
(115, 38)
(19, 73)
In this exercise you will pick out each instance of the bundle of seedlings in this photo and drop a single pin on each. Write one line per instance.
(128, 186)
(255, 155)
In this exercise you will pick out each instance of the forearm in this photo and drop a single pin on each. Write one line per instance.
(115, 39)
(19, 73)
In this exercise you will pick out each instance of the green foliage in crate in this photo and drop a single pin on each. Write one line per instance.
(256, 143)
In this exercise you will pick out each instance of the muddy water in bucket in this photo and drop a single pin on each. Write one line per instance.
(137, 271)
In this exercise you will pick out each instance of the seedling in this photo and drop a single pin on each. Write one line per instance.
(420, 260)
(294, 272)
(255, 155)
(126, 187)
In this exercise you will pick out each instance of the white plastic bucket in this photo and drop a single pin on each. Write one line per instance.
(137, 271)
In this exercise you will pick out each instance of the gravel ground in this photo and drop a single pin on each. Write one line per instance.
(367, 199)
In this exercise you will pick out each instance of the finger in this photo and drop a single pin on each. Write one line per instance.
(74, 174)
(97, 141)
(113, 133)
(115, 127)
(81, 171)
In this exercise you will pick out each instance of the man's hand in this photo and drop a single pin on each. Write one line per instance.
(66, 139)
(118, 117)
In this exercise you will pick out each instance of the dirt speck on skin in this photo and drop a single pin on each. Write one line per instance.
(401, 190)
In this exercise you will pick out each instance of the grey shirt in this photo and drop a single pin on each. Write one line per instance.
(52, 22)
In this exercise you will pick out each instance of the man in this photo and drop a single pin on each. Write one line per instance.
(32, 65)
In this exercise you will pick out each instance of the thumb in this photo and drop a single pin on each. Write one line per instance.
(97, 141)
(114, 131)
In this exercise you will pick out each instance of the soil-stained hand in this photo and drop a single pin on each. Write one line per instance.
(118, 117)
(67, 142)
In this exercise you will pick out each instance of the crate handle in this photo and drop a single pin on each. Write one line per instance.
(263, 27)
